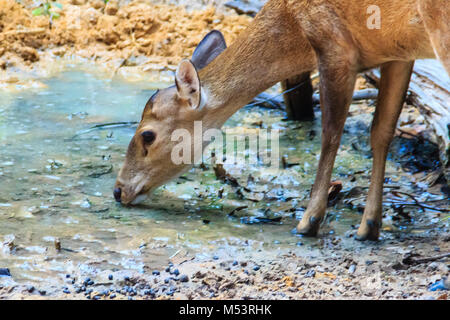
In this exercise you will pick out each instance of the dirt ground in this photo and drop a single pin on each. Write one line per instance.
(139, 37)
(395, 269)
(117, 35)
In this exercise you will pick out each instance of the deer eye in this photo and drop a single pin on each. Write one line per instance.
(148, 136)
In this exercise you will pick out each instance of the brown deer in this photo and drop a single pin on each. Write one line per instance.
(287, 38)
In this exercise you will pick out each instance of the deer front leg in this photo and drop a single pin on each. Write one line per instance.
(336, 88)
(394, 82)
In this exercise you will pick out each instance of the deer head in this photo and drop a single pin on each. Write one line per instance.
(148, 162)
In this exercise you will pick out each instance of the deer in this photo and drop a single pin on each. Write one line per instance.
(285, 39)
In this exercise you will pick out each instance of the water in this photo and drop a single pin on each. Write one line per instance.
(56, 186)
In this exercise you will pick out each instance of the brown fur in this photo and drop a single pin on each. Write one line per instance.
(287, 38)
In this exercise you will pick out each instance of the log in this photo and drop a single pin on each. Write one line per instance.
(429, 91)
(267, 101)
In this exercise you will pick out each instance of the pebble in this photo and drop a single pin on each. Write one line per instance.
(184, 278)
(176, 272)
(310, 274)
(216, 257)
(30, 289)
(156, 273)
(235, 263)
(110, 277)
(352, 269)
(5, 272)
(438, 285)
(66, 291)
(256, 268)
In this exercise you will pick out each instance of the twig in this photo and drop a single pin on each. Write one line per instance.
(417, 202)
(103, 126)
(411, 261)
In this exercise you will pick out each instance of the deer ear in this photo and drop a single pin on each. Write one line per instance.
(208, 49)
(188, 83)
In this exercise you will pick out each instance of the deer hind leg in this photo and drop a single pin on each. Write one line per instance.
(394, 83)
(436, 17)
(336, 89)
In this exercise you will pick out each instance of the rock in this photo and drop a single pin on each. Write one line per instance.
(352, 269)
(27, 53)
(78, 2)
(176, 272)
(98, 4)
(5, 272)
(310, 274)
(439, 285)
(184, 278)
(112, 7)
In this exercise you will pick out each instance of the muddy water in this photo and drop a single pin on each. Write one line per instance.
(56, 181)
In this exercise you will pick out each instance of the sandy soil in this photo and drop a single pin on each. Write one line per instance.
(129, 34)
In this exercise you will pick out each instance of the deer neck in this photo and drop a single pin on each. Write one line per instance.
(272, 49)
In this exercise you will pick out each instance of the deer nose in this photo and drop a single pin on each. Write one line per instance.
(117, 193)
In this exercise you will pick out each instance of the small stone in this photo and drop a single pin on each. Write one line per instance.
(235, 263)
(111, 7)
(66, 291)
(98, 4)
(30, 289)
(256, 268)
(78, 2)
(184, 278)
(110, 277)
(176, 272)
(5, 272)
(352, 269)
(310, 274)
(438, 285)
(156, 273)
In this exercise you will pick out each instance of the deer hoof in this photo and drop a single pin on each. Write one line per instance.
(369, 231)
(311, 229)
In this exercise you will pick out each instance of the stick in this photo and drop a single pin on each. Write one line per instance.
(410, 260)
(105, 126)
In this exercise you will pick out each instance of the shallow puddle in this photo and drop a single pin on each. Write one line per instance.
(56, 183)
